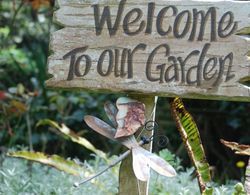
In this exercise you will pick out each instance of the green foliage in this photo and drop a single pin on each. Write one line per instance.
(21, 31)
(239, 189)
(24, 42)
(216, 120)
(56, 161)
(191, 138)
(172, 159)
(22, 177)
(185, 182)
(64, 130)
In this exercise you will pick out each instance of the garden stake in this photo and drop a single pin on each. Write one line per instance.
(142, 159)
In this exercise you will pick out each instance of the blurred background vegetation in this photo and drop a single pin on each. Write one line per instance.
(25, 27)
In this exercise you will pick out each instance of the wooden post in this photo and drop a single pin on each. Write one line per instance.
(128, 183)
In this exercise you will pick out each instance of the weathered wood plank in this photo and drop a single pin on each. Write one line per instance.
(209, 61)
(68, 39)
(80, 13)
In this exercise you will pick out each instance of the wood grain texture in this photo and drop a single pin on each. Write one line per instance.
(221, 81)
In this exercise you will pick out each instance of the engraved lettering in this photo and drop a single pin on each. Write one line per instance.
(74, 62)
(110, 63)
(106, 17)
(127, 22)
(178, 21)
(158, 67)
(160, 17)
(224, 31)
(203, 20)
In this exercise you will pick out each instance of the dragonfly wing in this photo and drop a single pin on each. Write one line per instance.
(111, 112)
(158, 164)
(140, 166)
(106, 130)
(100, 126)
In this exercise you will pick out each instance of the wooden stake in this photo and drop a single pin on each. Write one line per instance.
(128, 183)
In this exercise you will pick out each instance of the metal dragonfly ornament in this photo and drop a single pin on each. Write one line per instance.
(127, 117)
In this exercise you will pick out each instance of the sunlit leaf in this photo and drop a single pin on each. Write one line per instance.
(191, 138)
(20, 89)
(18, 106)
(63, 129)
(238, 148)
(239, 189)
(4, 31)
(55, 161)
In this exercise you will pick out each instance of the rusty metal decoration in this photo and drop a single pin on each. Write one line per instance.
(128, 116)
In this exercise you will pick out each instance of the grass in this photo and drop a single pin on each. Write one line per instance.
(20, 177)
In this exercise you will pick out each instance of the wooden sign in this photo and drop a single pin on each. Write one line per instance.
(191, 49)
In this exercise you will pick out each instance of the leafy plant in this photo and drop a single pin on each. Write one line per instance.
(20, 177)
(55, 160)
(67, 133)
(241, 149)
(191, 138)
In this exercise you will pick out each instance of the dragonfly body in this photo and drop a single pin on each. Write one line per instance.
(143, 160)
